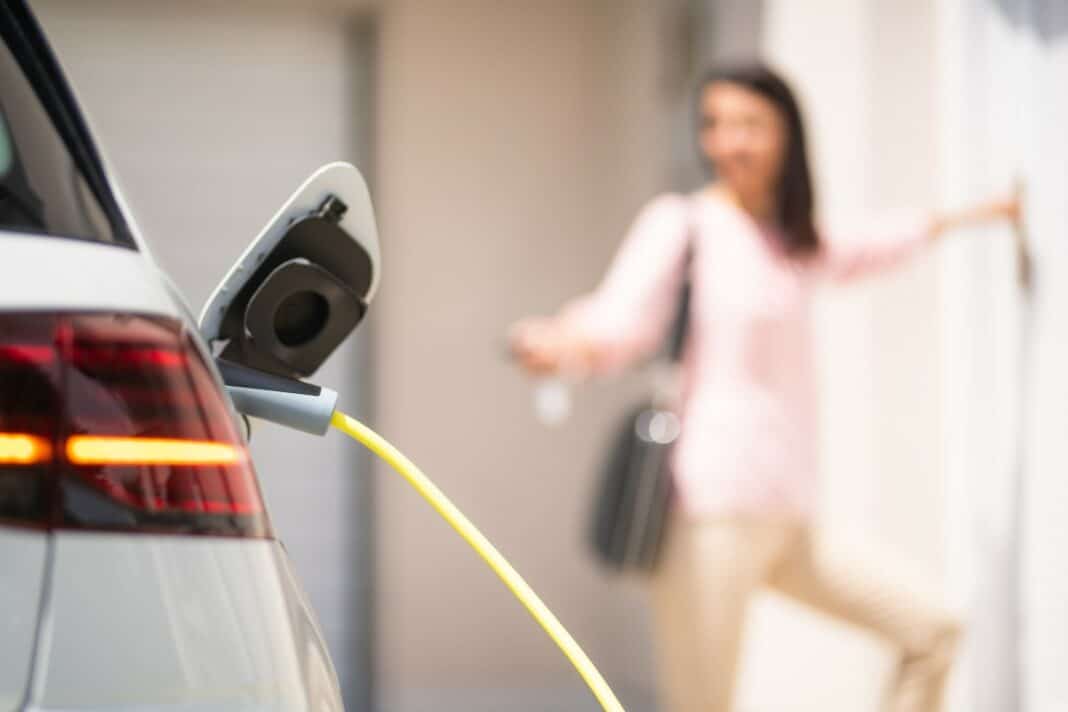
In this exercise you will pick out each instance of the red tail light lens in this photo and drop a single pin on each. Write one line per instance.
(114, 422)
(30, 401)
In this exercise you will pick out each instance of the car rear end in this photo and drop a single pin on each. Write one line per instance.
(140, 569)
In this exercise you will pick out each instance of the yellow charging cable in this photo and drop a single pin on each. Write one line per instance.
(437, 499)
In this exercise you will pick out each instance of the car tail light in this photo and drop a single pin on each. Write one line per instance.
(115, 422)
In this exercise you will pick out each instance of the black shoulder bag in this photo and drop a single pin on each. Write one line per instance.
(633, 502)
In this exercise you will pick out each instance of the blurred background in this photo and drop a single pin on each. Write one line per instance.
(508, 145)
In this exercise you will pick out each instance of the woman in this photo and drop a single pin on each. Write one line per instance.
(745, 464)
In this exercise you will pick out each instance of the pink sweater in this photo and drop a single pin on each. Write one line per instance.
(749, 408)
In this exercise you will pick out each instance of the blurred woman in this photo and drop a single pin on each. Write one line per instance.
(745, 464)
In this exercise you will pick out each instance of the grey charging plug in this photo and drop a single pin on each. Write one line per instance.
(281, 400)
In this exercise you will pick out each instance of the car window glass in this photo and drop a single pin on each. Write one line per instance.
(41, 188)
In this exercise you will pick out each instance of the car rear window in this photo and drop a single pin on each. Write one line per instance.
(41, 189)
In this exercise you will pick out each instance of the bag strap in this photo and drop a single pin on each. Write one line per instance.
(680, 325)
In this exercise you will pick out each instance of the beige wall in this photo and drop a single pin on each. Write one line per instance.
(517, 140)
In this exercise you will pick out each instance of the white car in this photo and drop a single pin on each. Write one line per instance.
(138, 566)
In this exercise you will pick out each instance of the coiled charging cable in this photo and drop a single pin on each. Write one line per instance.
(463, 526)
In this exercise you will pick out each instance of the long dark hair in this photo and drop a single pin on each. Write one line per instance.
(794, 194)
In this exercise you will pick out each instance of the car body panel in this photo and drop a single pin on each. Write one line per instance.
(24, 553)
(172, 622)
(40, 273)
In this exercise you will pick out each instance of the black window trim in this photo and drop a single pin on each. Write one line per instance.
(23, 35)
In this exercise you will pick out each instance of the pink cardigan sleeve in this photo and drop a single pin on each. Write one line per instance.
(889, 245)
(628, 315)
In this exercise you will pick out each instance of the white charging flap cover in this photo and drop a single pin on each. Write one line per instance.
(304, 283)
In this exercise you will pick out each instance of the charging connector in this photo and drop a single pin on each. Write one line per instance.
(281, 400)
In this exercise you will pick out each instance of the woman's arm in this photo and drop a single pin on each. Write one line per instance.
(848, 260)
(990, 211)
(628, 314)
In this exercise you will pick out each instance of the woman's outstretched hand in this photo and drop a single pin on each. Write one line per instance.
(1004, 208)
(544, 346)
(536, 343)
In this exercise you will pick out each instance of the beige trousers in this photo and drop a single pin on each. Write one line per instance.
(708, 572)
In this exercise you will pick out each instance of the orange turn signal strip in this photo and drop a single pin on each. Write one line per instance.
(106, 450)
(26, 449)
(23, 449)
